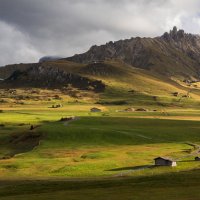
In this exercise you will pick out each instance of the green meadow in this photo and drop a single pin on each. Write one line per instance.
(106, 155)
(175, 186)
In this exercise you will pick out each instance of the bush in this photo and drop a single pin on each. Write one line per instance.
(112, 102)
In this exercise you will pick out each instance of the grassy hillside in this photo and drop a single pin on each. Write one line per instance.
(134, 85)
(124, 84)
(96, 144)
(114, 146)
(117, 148)
(105, 155)
(182, 186)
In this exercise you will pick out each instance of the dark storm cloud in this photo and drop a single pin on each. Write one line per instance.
(33, 28)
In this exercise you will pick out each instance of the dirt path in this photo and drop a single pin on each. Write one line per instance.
(134, 169)
(66, 123)
(125, 132)
(195, 152)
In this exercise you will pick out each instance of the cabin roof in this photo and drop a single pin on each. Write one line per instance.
(164, 158)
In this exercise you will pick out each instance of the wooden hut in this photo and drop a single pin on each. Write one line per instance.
(197, 158)
(160, 161)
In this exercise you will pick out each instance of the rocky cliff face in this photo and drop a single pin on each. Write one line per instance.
(186, 43)
(6, 71)
(174, 53)
(52, 77)
(131, 51)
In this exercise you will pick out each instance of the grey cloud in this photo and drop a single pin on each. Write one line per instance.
(15, 46)
(65, 27)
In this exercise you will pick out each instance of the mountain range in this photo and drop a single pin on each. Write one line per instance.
(159, 66)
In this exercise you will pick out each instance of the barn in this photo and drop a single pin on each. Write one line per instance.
(160, 161)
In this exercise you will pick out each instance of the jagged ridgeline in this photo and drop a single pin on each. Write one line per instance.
(51, 77)
(138, 62)
(173, 54)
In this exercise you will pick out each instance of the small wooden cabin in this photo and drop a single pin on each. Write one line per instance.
(160, 161)
(197, 158)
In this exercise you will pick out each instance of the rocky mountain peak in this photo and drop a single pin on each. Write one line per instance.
(174, 34)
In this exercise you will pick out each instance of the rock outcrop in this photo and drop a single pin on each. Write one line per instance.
(52, 77)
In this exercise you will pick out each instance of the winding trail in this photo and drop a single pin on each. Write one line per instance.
(196, 151)
(133, 170)
(124, 132)
(66, 123)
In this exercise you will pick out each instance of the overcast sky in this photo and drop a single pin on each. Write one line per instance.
(30, 29)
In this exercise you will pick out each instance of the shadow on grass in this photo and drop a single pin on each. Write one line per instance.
(27, 113)
(141, 167)
(188, 161)
(21, 143)
(134, 132)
